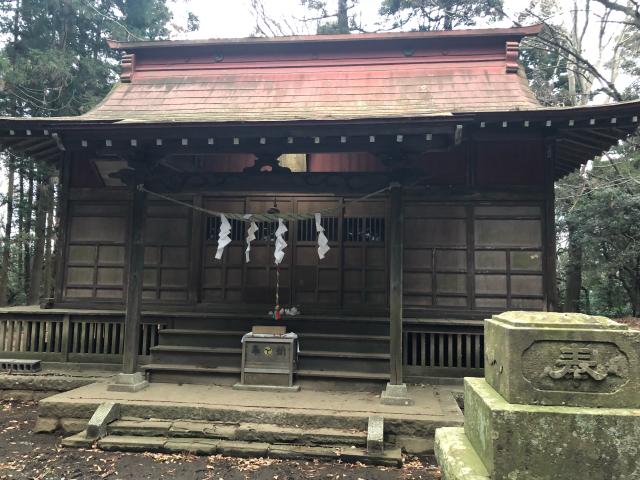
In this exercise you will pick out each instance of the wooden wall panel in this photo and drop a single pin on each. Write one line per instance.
(508, 257)
(435, 256)
(96, 236)
(473, 257)
(167, 254)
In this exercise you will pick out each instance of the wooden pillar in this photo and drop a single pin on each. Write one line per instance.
(396, 233)
(549, 268)
(134, 280)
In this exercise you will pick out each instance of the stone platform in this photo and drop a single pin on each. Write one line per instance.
(408, 427)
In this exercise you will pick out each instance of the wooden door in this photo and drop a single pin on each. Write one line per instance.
(354, 272)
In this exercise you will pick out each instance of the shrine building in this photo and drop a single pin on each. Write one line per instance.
(426, 154)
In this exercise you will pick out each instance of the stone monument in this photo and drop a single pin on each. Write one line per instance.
(560, 400)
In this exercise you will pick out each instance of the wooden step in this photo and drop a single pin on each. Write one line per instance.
(345, 343)
(342, 375)
(202, 356)
(344, 361)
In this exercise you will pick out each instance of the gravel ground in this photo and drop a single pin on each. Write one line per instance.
(25, 455)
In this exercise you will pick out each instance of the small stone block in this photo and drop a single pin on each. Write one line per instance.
(131, 443)
(456, 457)
(564, 359)
(79, 440)
(46, 425)
(396, 395)
(243, 449)
(195, 446)
(375, 435)
(128, 382)
(104, 414)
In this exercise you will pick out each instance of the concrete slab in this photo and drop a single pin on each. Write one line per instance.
(434, 407)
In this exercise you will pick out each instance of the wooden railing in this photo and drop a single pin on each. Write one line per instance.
(71, 337)
(445, 348)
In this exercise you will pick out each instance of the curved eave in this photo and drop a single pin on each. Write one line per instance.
(580, 133)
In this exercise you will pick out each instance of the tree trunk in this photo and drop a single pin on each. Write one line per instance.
(343, 17)
(42, 202)
(28, 220)
(573, 274)
(20, 263)
(48, 251)
(6, 251)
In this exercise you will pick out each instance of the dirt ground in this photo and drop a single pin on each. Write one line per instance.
(26, 455)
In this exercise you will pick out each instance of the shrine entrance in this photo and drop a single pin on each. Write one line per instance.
(354, 272)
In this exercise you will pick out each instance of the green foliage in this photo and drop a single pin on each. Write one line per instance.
(55, 61)
(439, 14)
(602, 205)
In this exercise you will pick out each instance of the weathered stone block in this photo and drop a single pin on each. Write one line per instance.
(458, 459)
(243, 449)
(549, 358)
(46, 424)
(524, 442)
(104, 414)
(196, 446)
(375, 434)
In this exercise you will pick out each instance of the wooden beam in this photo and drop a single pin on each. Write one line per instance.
(396, 246)
(133, 311)
(317, 144)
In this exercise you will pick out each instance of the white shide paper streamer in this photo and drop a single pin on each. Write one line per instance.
(223, 236)
(323, 243)
(251, 236)
(278, 253)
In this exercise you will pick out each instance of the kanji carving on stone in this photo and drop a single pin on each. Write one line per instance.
(578, 362)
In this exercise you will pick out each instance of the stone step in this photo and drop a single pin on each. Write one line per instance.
(237, 448)
(249, 432)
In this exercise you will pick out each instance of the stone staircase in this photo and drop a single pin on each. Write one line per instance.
(208, 350)
(237, 439)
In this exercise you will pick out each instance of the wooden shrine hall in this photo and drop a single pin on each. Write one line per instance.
(428, 155)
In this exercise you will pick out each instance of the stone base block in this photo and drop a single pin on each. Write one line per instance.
(396, 395)
(456, 457)
(563, 359)
(522, 442)
(128, 382)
